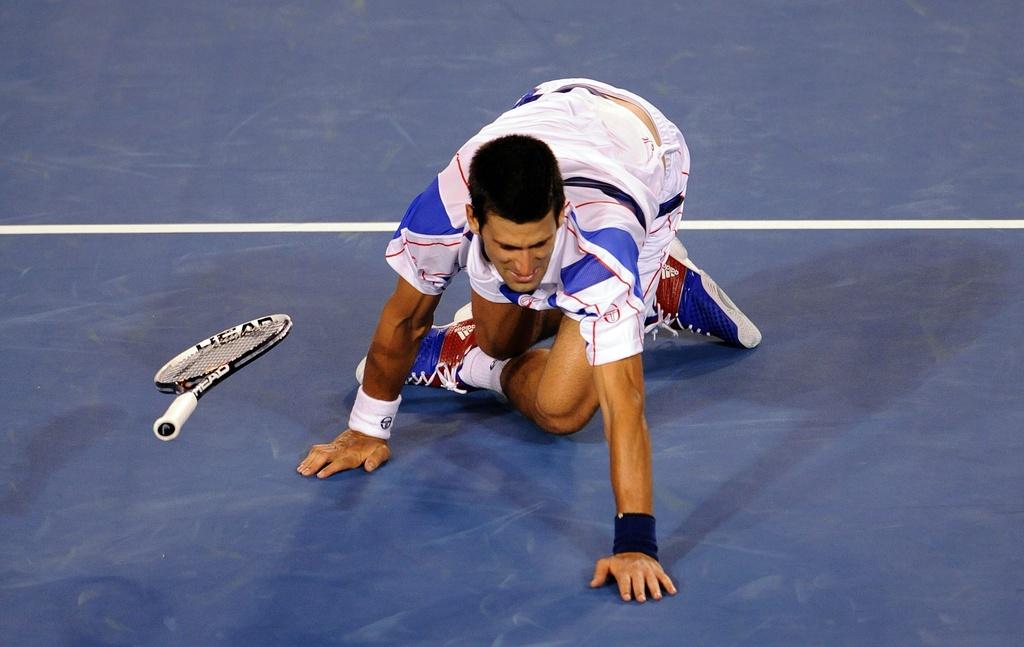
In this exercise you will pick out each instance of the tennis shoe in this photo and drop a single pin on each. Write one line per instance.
(689, 299)
(439, 358)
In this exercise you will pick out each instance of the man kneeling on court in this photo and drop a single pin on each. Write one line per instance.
(566, 224)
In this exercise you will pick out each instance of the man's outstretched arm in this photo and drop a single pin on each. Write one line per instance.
(634, 564)
(404, 320)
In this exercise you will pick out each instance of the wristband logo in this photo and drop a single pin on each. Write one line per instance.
(385, 422)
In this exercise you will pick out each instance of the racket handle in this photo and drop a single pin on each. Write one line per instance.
(167, 426)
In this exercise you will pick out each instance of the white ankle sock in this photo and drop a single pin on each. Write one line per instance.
(482, 370)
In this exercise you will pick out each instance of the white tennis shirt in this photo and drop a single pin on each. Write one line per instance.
(624, 197)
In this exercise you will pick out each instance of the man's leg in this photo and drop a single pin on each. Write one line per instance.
(554, 387)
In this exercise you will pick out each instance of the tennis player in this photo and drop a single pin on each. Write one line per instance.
(563, 211)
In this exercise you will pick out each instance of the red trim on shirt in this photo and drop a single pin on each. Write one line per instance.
(410, 242)
(665, 223)
(584, 303)
(458, 162)
(656, 274)
(453, 244)
(583, 204)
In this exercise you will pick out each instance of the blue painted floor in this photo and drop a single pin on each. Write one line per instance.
(856, 480)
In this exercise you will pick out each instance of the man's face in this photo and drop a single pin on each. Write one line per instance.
(519, 252)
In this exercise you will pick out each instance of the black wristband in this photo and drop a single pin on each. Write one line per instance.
(634, 533)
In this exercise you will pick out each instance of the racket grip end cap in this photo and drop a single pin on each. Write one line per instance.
(168, 426)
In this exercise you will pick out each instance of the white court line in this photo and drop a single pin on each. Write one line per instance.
(389, 227)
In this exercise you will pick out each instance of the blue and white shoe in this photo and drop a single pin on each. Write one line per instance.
(440, 357)
(689, 299)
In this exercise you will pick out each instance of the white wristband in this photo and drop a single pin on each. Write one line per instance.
(373, 417)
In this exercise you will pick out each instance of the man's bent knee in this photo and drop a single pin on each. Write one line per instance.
(563, 424)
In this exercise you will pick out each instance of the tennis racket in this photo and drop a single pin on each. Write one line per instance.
(195, 371)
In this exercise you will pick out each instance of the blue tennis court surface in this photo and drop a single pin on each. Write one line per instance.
(856, 480)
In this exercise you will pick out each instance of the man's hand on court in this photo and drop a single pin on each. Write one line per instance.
(349, 450)
(635, 573)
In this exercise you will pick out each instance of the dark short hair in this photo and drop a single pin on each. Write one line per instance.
(515, 177)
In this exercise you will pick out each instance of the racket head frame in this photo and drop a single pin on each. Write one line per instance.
(199, 384)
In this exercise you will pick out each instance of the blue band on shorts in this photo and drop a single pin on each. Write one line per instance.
(612, 192)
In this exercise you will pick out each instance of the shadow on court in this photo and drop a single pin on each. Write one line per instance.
(61, 441)
(847, 334)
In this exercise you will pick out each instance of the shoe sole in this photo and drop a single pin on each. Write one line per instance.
(746, 332)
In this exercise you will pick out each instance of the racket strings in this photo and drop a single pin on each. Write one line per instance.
(212, 357)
